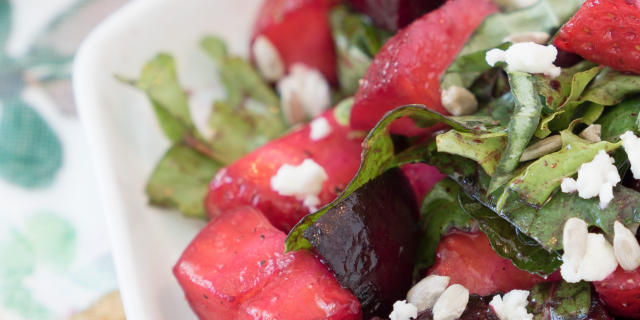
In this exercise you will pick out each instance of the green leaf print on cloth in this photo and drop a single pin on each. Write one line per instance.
(30, 152)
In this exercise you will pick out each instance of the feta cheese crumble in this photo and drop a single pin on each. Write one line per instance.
(320, 128)
(512, 306)
(631, 144)
(268, 60)
(527, 57)
(303, 181)
(595, 178)
(598, 263)
(305, 93)
(403, 311)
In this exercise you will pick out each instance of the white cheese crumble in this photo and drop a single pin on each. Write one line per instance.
(267, 58)
(597, 177)
(305, 93)
(631, 145)
(320, 128)
(303, 181)
(527, 57)
(403, 311)
(459, 101)
(512, 306)
(598, 263)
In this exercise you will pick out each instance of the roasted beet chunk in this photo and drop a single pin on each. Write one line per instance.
(395, 14)
(369, 240)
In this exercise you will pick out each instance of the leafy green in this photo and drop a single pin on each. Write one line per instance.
(357, 41)
(485, 149)
(523, 124)
(620, 119)
(377, 156)
(250, 114)
(542, 177)
(342, 111)
(565, 89)
(546, 15)
(508, 242)
(439, 212)
(160, 82)
(560, 300)
(608, 88)
(181, 180)
(539, 223)
(500, 109)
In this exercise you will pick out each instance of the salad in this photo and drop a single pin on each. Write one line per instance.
(407, 159)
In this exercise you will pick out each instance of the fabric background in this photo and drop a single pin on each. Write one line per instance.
(54, 250)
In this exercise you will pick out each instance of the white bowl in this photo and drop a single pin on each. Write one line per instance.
(126, 141)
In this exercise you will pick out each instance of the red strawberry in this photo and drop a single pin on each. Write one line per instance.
(395, 14)
(620, 292)
(407, 69)
(422, 178)
(235, 266)
(247, 181)
(605, 32)
(469, 260)
(300, 30)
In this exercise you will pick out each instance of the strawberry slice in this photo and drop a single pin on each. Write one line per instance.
(422, 178)
(620, 293)
(235, 266)
(606, 32)
(247, 181)
(469, 260)
(300, 31)
(407, 69)
(395, 14)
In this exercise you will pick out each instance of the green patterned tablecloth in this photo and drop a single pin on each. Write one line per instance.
(54, 249)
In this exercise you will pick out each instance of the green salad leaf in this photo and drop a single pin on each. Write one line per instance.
(250, 114)
(440, 211)
(620, 119)
(475, 62)
(357, 41)
(500, 109)
(608, 88)
(377, 156)
(546, 15)
(160, 82)
(536, 183)
(485, 149)
(508, 242)
(181, 180)
(561, 300)
(523, 124)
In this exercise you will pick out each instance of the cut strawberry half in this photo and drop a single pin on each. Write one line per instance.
(407, 69)
(395, 14)
(236, 267)
(300, 31)
(620, 293)
(247, 181)
(469, 260)
(606, 32)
